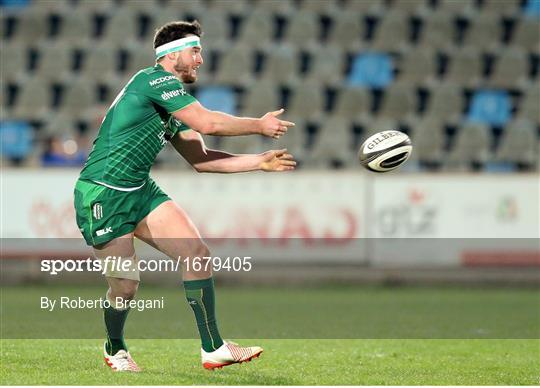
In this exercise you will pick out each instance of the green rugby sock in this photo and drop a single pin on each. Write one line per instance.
(200, 296)
(114, 322)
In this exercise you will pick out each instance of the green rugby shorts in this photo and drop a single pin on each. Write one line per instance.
(104, 214)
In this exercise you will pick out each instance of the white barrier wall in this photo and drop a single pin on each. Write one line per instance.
(456, 206)
(339, 208)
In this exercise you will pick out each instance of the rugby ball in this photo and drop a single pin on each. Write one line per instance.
(385, 151)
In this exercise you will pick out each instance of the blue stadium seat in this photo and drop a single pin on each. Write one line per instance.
(15, 139)
(14, 3)
(371, 70)
(491, 107)
(498, 167)
(532, 9)
(221, 98)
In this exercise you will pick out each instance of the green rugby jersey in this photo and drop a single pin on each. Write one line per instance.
(136, 128)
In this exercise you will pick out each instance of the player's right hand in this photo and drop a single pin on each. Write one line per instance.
(277, 160)
(273, 127)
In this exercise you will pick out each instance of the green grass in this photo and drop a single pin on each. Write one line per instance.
(283, 313)
(313, 336)
(284, 362)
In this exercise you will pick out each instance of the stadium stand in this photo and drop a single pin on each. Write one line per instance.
(471, 148)
(284, 7)
(530, 103)
(259, 97)
(321, 7)
(164, 14)
(519, 144)
(333, 144)
(462, 8)
(437, 32)
(532, 9)
(446, 103)
(303, 30)
(376, 124)
(372, 8)
(429, 139)
(526, 35)
(392, 33)
(327, 66)
(216, 30)
(121, 27)
(502, 8)
(58, 125)
(346, 31)
(76, 28)
(388, 63)
(228, 7)
(220, 98)
(14, 56)
(490, 107)
(236, 67)
(484, 32)
(465, 68)
(398, 103)
(410, 7)
(307, 101)
(54, 56)
(371, 69)
(257, 30)
(418, 67)
(79, 97)
(353, 104)
(34, 100)
(136, 58)
(16, 139)
(31, 25)
(281, 66)
(242, 144)
(296, 140)
(510, 69)
(92, 7)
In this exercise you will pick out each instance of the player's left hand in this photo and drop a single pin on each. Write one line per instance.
(277, 160)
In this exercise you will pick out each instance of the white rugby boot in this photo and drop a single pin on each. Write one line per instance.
(229, 353)
(121, 361)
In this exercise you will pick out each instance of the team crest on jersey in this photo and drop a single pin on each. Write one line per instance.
(97, 211)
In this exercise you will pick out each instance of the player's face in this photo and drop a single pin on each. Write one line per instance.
(187, 63)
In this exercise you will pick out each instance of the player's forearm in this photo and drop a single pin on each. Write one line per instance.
(223, 124)
(224, 162)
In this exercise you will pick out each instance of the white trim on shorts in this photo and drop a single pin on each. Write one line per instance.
(119, 188)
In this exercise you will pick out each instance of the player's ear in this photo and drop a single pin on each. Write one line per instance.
(172, 56)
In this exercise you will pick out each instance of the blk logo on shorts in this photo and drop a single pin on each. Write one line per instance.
(103, 231)
(97, 210)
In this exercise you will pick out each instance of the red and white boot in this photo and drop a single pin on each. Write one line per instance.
(229, 353)
(121, 361)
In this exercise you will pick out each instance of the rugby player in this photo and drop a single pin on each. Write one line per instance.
(116, 200)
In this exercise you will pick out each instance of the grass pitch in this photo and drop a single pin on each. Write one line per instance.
(402, 331)
(284, 362)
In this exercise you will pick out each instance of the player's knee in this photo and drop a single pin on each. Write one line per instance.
(126, 289)
(129, 289)
(198, 260)
(202, 254)
(202, 251)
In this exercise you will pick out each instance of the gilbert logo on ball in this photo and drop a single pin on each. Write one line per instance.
(385, 151)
